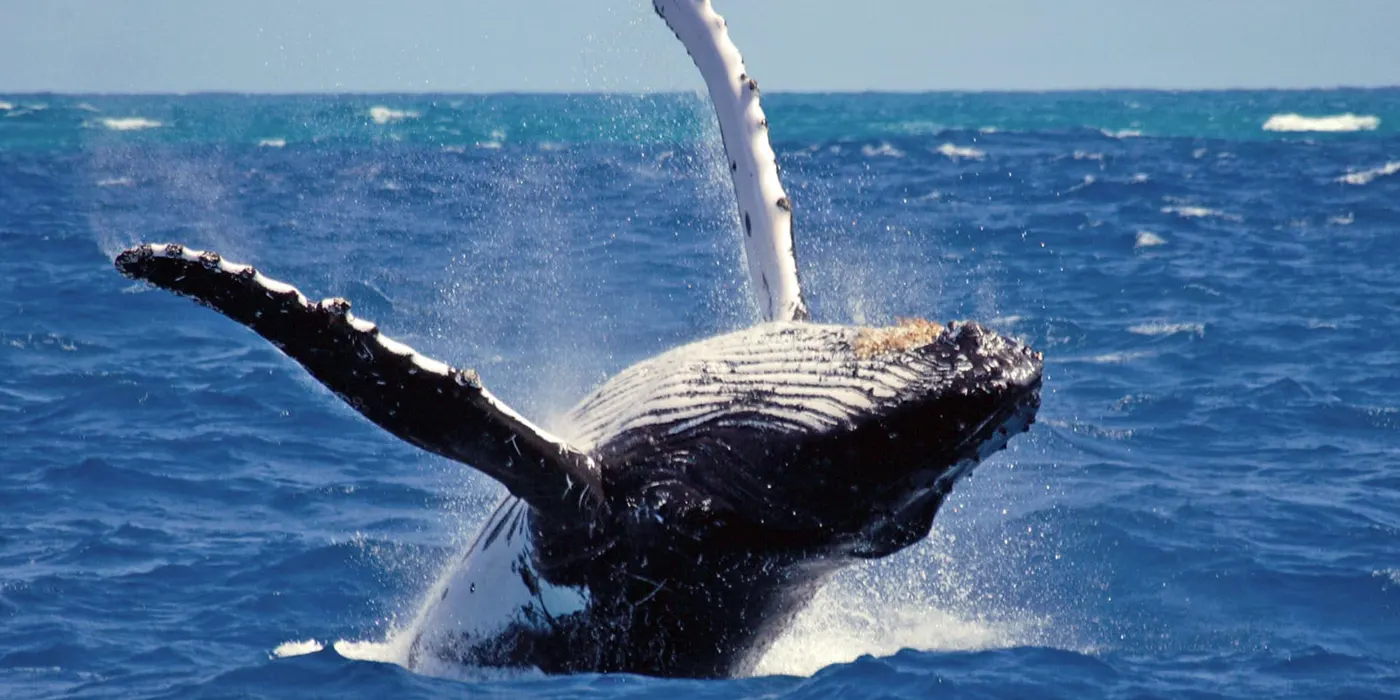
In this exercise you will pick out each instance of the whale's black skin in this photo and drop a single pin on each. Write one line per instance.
(709, 490)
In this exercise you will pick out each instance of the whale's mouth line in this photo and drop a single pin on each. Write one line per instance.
(1012, 417)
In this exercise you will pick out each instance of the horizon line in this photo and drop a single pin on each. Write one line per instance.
(697, 91)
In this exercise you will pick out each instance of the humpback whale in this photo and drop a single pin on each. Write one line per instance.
(703, 495)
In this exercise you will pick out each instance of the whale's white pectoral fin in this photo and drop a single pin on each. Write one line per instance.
(421, 400)
(765, 212)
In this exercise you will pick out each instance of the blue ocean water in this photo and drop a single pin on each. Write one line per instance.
(1209, 505)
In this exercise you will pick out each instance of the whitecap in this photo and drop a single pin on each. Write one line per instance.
(130, 123)
(1193, 212)
(1121, 133)
(384, 652)
(1148, 239)
(115, 182)
(6, 106)
(1085, 182)
(1162, 328)
(453, 149)
(383, 115)
(489, 145)
(395, 650)
(1332, 123)
(272, 143)
(85, 107)
(956, 152)
(849, 618)
(883, 150)
(297, 648)
(1346, 219)
(1393, 575)
(1086, 155)
(1139, 178)
(987, 130)
(1362, 177)
(1114, 358)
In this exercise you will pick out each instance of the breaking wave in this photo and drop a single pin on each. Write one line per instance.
(1148, 239)
(883, 150)
(130, 123)
(958, 152)
(1335, 123)
(1161, 328)
(384, 115)
(1187, 211)
(1362, 177)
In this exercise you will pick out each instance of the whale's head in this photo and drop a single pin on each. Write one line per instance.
(974, 390)
(832, 439)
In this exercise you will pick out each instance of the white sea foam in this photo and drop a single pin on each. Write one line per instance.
(1346, 219)
(1187, 211)
(924, 606)
(883, 150)
(394, 651)
(1148, 239)
(6, 106)
(384, 115)
(1086, 155)
(115, 182)
(1121, 133)
(957, 152)
(130, 123)
(1393, 575)
(1084, 182)
(1362, 177)
(85, 107)
(1162, 328)
(297, 648)
(1139, 178)
(272, 143)
(1115, 358)
(1332, 123)
(835, 628)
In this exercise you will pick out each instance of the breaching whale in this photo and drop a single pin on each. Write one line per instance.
(704, 494)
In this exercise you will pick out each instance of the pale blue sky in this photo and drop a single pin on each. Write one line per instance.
(791, 45)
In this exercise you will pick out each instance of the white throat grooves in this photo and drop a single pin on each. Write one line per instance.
(765, 212)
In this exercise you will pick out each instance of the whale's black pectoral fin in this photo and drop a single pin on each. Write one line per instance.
(423, 401)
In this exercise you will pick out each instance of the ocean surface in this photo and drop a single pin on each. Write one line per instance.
(1209, 505)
